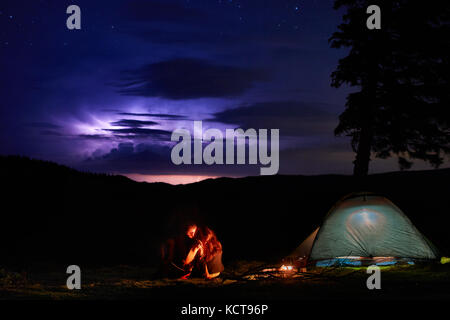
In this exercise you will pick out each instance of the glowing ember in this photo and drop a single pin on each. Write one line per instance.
(286, 268)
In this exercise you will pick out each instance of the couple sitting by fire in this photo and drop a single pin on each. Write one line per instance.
(198, 253)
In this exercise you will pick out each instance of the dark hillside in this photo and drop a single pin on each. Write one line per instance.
(51, 213)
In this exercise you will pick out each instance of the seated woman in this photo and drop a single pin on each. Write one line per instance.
(205, 256)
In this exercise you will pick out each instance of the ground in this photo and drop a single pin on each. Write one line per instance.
(426, 282)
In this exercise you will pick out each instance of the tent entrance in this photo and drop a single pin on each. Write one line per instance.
(363, 261)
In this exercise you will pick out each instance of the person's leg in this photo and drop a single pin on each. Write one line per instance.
(185, 277)
(166, 254)
(213, 275)
(214, 266)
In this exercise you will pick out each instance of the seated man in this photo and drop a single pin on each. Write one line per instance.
(173, 251)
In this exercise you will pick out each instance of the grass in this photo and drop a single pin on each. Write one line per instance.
(134, 282)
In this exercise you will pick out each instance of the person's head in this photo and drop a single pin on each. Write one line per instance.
(209, 240)
(191, 231)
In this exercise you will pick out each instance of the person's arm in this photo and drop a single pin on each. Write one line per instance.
(192, 253)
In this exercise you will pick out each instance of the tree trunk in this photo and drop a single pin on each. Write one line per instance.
(361, 163)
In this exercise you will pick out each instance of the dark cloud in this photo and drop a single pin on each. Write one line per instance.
(155, 115)
(187, 78)
(132, 132)
(291, 117)
(132, 123)
(93, 137)
(155, 159)
(130, 158)
(122, 150)
(155, 134)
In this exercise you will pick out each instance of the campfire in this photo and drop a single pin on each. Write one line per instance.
(283, 271)
(287, 268)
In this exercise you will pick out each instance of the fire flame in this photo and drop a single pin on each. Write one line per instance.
(286, 268)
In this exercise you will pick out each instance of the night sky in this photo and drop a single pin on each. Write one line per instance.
(107, 97)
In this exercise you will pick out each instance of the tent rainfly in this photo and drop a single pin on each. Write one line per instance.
(365, 228)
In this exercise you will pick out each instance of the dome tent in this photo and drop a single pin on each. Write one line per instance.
(365, 228)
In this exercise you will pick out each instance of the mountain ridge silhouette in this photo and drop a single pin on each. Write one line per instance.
(55, 214)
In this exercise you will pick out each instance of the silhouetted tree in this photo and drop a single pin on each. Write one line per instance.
(402, 75)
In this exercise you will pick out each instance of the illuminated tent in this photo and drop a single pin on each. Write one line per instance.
(365, 228)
